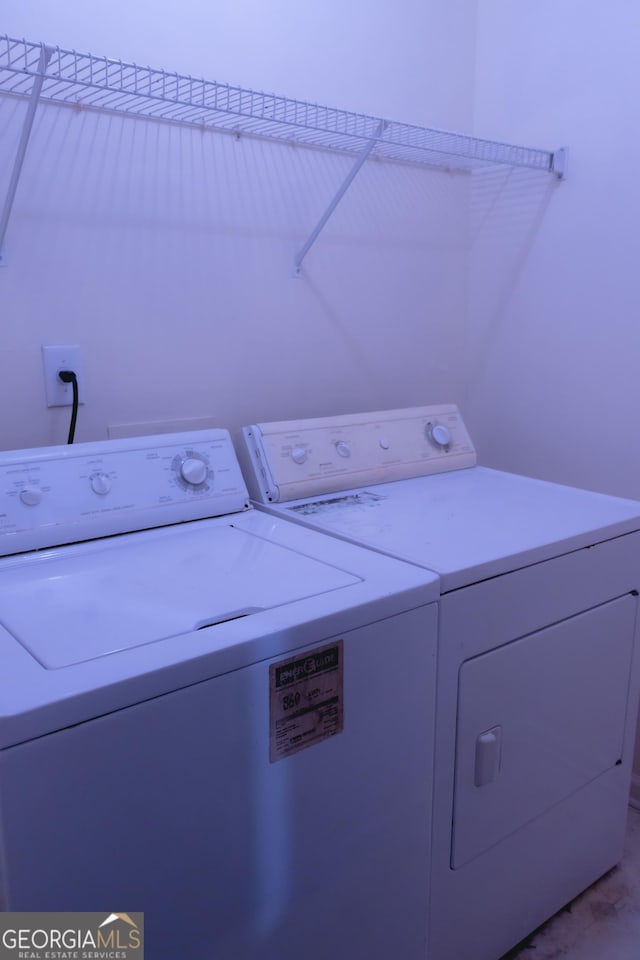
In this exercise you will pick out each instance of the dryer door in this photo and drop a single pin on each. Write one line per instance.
(538, 718)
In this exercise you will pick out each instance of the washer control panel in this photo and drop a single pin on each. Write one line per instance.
(54, 495)
(305, 458)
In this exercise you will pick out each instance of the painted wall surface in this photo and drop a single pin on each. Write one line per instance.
(554, 309)
(409, 60)
(553, 390)
(166, 253)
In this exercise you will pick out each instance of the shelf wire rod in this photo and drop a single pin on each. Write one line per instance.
(45, 56)
(92, 81)
(16, 84)
(184, 113)
(91, 90)
(338, 197)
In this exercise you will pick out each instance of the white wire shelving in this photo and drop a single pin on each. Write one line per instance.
(55, 75)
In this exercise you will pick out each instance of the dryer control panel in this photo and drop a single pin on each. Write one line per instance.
(305, 458)
(64, 494)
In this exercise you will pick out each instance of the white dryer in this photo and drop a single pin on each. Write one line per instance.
(208, 714)
(537, 665)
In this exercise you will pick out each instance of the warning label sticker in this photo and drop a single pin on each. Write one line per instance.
(305, 700)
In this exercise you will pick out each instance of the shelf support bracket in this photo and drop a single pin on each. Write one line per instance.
(45, 56)
(297, 263)
(559, 163)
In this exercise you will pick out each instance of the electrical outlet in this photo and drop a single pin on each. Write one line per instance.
(59, 358)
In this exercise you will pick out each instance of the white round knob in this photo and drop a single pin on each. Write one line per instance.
(100, 484)
(384, 443)
(31, 496)
(441, 435)
(343, 448)
(194, 471)
(298, 454)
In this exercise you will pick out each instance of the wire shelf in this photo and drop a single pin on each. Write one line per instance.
(101, 83)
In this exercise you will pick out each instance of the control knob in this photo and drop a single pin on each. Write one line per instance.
(439, 434)
(298, 454)
(193, 471)
(343, 449)
(31, 496)
(100, 484)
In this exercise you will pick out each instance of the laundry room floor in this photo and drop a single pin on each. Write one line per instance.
(603, 923)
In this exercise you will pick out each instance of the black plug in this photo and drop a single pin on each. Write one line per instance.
(68, 376)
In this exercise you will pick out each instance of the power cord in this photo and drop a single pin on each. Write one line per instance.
(68, 376)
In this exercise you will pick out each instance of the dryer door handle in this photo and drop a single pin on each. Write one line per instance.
(488, 756)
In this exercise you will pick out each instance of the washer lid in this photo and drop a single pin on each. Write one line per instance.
(89, 629)
(79, 603)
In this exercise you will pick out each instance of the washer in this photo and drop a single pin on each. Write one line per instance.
(537, 667)
(208, 714)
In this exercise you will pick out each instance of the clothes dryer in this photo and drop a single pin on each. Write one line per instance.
(537, 663)
(210, 715)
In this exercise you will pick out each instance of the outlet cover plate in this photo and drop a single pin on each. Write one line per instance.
(56, 358)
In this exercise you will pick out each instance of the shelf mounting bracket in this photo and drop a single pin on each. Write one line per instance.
(297, 263)
(45, 55)
(559, 163)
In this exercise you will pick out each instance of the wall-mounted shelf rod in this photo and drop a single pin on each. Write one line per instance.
(99, 83)
(43, 60)
(55, 75)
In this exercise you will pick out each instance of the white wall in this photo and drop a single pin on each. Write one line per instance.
(553, 384)
(553, 390)
(410, 60)
(166, 253)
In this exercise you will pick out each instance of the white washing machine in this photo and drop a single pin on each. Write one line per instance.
(537, 665)
(225, 723)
